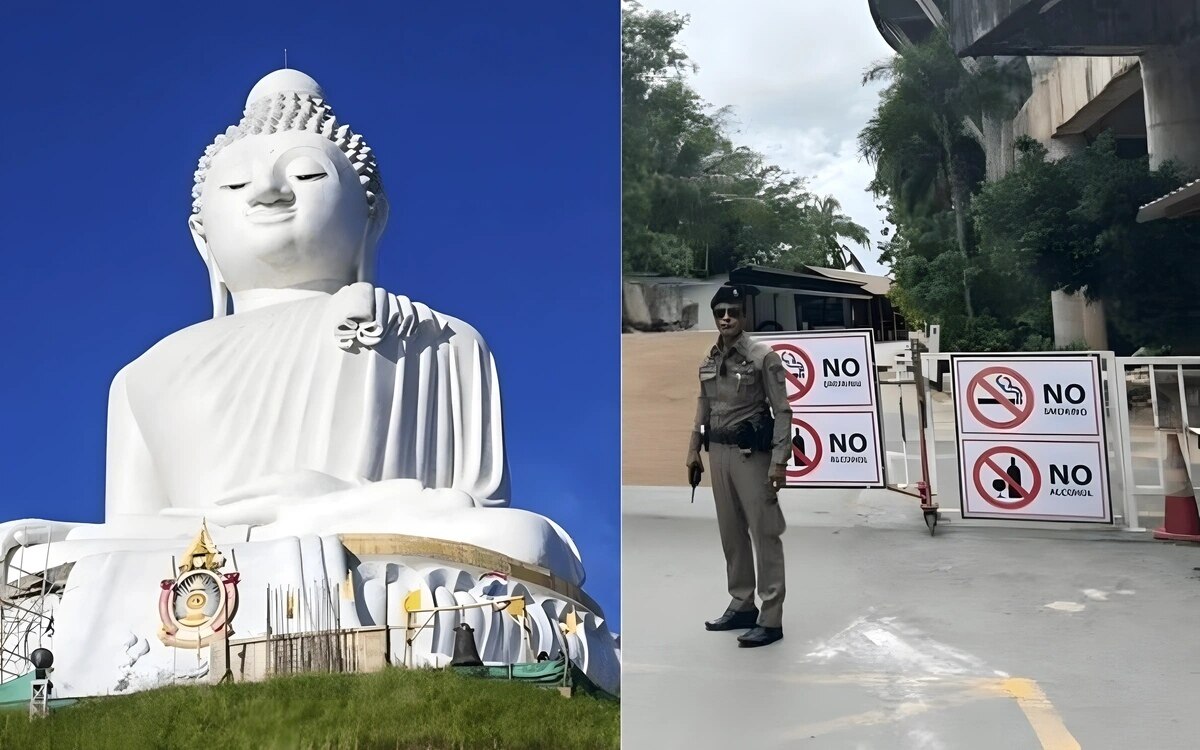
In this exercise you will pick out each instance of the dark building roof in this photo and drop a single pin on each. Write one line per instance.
(807, 282)
(1184, 202)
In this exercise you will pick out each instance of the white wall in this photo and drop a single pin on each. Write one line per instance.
(702, 293)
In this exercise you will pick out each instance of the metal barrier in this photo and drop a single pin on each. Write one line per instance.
(1147, 400)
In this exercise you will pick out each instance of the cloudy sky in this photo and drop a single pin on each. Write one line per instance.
(792, 70)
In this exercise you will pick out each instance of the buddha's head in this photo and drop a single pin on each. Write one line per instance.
(288, 198)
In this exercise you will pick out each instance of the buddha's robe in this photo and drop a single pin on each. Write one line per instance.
(225, 404)
(261, 419)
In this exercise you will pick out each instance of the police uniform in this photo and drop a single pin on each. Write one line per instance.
(737, 386)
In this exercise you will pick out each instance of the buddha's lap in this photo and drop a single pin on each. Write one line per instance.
(440, 514)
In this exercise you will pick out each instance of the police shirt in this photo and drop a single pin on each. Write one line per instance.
(753, 379)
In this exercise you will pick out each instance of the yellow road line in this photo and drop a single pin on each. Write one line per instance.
(1041, 714)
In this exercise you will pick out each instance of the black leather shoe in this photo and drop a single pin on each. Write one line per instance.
(760, 636)
(733, 620)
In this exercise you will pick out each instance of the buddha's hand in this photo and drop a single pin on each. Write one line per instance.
(364, 315)
(260, 501)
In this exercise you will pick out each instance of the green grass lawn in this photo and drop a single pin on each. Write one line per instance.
(392, 709)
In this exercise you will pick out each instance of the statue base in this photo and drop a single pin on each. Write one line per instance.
(350, 602)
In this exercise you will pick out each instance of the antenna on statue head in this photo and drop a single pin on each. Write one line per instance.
(285, 58)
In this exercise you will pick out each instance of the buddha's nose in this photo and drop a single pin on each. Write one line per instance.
(268, 188)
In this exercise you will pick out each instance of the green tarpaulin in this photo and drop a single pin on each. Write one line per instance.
(558, 673)
(16, 694)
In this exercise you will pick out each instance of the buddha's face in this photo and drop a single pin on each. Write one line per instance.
(284, 210)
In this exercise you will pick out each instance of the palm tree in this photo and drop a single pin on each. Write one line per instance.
(923, 138)
(831, 226)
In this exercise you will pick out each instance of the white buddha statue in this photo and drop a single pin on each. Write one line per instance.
(313, 403)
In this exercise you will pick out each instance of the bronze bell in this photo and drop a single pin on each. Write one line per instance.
(465, 653)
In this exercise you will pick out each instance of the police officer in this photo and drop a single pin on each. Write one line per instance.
(746, 421)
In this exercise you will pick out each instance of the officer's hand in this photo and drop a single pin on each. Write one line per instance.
(778, 476)
(694, 461)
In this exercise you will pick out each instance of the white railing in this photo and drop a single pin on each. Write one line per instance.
(1161, 396)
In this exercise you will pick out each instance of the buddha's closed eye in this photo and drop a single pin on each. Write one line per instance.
(310, 177)
(235, 186)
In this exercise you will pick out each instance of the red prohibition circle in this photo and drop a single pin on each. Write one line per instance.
(1027, 497)
(802, 389)
(814, 458)
(978, 380)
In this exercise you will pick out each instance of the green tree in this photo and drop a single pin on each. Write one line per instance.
(1072, 225)
(666, 139)
(831, 226)
(928, 160)
(693, 201)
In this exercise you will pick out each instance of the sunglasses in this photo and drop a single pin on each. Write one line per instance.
(721, 312)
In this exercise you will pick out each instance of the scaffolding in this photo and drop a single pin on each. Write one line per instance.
(26, 617)
(304, 630)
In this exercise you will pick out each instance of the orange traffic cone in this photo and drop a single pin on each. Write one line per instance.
(1181, 522)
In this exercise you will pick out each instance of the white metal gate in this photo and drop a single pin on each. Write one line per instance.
(1161, 396)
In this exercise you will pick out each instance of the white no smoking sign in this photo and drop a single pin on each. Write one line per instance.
(1027, 396)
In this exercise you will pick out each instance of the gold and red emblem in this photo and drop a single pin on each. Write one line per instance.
(197, 605)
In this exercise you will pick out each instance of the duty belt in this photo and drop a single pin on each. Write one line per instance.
(724, 436)
(752, 433)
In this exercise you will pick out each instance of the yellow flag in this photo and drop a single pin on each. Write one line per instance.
(516, 608)
(412, 602)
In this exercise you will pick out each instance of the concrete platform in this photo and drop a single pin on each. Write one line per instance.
(981, 637)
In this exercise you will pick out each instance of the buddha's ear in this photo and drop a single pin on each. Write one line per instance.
(216, 283)
(376, 223)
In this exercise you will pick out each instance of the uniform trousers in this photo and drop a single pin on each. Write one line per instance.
(750, 522)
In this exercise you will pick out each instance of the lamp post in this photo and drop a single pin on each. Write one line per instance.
(39, 700)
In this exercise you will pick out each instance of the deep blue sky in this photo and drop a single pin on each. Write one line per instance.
(497, 129)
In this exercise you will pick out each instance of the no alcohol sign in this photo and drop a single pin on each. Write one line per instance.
(1008, 487)
(1035, 480)
(834, 449)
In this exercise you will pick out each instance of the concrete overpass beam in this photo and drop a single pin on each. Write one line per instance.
(1070, 27)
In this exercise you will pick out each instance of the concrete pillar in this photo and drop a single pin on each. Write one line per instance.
(1169, 76)
(1067, 310)
(1076, 319)
(998, 146)
(1095, 326)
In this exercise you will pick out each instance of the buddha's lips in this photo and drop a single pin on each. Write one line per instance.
(269, 214)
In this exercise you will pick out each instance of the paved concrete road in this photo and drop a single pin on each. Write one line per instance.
(981, 637)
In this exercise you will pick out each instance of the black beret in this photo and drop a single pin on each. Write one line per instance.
(730, 294)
